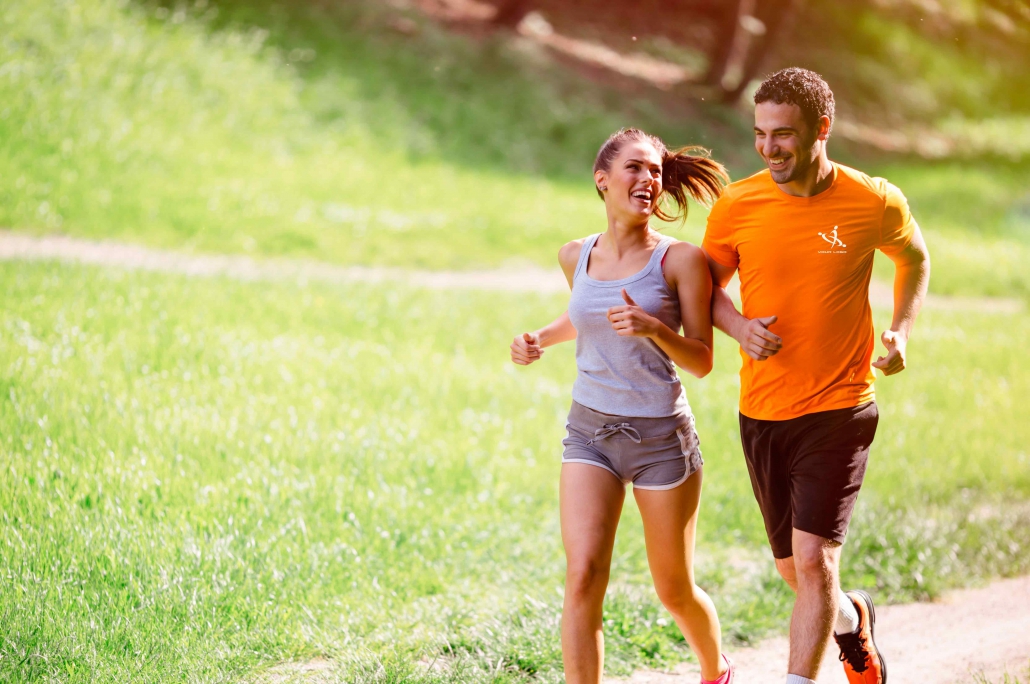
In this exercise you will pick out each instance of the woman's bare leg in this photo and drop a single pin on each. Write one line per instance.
(591, 503)
(670, 525)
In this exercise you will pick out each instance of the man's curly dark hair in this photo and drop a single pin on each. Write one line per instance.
(800, 87)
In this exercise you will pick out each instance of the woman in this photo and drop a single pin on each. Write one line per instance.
(632, 289)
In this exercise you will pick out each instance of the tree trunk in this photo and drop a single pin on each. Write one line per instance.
(722, 43)
(774, 14)
(511, 12)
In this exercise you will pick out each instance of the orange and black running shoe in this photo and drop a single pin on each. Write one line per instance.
(863, 663)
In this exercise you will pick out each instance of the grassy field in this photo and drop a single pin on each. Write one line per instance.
(320, 132)
(203, 478)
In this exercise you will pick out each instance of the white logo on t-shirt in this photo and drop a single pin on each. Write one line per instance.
(832, 238)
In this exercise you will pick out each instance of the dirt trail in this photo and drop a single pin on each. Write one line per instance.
(17, 246)
(970, 631)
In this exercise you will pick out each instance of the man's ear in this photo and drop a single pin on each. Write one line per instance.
(824, 128)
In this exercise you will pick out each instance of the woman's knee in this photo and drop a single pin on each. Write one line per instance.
(676, 592)
(586, 578)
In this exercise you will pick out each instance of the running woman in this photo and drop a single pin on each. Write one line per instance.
(632, 290)
(802, 234)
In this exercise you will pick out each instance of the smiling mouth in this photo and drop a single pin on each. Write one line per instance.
(777, 162)
(643, 195)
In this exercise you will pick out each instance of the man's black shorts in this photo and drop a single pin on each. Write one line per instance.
(806, 471)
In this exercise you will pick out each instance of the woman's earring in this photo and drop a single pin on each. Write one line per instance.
(604, 188)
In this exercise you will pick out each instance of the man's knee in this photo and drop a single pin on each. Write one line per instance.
(815, 558)
(785, 566)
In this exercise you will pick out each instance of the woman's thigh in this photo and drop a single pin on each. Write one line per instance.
(670, 525)
(591, 503)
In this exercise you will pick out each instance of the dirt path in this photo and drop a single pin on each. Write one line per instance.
(971, 631)
(17, 246)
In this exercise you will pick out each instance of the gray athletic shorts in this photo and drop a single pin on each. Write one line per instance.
(652, 453)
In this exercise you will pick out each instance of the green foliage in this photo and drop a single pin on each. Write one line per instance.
(903, 62)
(206, 478)
(168, 127)
(1020, 677)
(317, 131)
(491, 103)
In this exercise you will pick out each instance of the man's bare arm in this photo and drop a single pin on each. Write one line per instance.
(911, 280)
(753, 335)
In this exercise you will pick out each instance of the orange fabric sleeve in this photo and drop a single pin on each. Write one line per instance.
(898, 225)
(718, 242)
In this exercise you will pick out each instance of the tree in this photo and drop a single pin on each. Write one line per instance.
(744, 31)
(773, 15)
(511, 12)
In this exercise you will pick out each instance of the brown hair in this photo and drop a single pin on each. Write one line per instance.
(686, 171)
(800, 87)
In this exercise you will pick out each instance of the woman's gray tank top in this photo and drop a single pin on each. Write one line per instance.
(624, 376)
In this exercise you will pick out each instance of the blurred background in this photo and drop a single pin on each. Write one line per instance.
(268, 127)
(215, 479)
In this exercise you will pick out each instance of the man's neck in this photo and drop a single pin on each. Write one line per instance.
(818, 179)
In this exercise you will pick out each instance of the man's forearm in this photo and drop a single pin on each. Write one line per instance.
(725, 316)
(911, 281)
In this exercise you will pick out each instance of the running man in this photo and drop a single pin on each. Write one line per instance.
(802, 234)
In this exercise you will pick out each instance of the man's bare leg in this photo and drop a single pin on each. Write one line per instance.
(813, 573)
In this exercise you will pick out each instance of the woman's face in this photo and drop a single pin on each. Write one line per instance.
(634, 181)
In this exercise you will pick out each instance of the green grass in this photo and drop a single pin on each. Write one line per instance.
(1020, 677)
(178, 132)
(316, 131)
(976, 217)
(203, 478)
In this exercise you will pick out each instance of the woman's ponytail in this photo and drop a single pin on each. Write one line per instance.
(689, 171)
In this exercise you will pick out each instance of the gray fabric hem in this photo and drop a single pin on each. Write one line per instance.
(693, 462)
(593, 463)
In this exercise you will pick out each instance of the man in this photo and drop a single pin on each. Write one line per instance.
(802, 234)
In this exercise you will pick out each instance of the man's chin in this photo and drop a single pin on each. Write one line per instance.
(782, 176)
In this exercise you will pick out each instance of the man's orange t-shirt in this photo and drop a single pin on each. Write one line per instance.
(808, 260)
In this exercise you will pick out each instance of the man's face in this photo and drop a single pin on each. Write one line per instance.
(787, 144)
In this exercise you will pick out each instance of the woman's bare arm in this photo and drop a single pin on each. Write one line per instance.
(529, 346)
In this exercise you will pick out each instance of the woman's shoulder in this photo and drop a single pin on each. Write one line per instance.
(685, 263)
(684, 254)
(568, 255)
